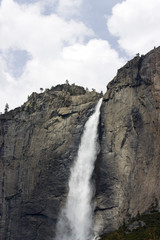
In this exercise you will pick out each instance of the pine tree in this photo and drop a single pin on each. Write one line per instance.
(6, 108)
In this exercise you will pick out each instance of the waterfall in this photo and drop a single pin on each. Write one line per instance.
(75, 221)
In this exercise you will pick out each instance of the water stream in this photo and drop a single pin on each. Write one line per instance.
(76, 218)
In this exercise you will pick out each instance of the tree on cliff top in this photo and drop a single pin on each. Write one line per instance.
(6, 108)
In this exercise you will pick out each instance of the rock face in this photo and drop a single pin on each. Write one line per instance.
(38, 143)
(128, 167)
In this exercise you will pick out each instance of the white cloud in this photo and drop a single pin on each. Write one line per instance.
(24, 27)
(5, 77)
(58, 51)
(91, 65)
(67, 8)
(96, 63)
(136, 24)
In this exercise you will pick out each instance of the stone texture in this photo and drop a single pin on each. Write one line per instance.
(135, 225)
(128, 167)
(38, 143)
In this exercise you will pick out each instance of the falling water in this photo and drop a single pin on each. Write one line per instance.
(75, 221)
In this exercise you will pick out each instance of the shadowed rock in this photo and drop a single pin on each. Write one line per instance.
(38, 143)
(128, 167)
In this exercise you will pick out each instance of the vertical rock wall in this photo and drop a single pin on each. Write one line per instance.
(128, 168)
(38, 143)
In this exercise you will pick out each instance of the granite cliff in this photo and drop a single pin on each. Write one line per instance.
(39, 140)
(38, 143)
(128, 167)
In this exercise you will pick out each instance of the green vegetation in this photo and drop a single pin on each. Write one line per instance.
(151, 230)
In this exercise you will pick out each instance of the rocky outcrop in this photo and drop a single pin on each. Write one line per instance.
(38, 143)
(128, 167)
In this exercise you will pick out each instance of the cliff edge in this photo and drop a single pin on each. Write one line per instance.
(128, 167)
(38, 143)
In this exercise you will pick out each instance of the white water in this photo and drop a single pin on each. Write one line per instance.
(75, 222)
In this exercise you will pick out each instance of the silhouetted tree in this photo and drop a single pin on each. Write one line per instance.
(67, 82)
(6, 108)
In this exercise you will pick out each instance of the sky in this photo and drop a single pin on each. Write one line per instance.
(46, 42)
